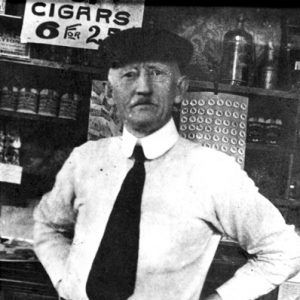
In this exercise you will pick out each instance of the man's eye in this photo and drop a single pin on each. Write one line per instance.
(129, 75)
(155, 72)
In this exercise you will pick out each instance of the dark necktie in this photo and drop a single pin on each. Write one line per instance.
(113, 272)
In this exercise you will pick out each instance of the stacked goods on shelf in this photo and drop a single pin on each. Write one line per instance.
(28, 100)
(68, 106)
(46, 102)
(264, 131)
(9, 98)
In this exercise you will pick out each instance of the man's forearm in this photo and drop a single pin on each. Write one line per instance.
(52, 248)
(54, 219)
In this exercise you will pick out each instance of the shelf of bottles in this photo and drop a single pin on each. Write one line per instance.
(243, 90)
(62, 65)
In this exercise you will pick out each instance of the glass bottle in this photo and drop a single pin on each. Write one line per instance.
(293, 190)
(295, 66)
(269, 68)
(284, 62)
(52, 53)
(68, 55)
(2, 140)
(238, 56)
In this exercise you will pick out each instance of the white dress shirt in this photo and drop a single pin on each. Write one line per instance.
(192, 196)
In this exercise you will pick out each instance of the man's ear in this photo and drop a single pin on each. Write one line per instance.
(108, 90)
(182, 87)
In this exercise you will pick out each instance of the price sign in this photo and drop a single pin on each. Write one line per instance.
(78, 23)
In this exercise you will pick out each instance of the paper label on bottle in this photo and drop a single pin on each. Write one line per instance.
(297, 65)
(10, 173)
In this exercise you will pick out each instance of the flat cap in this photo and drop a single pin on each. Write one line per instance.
(142, 44)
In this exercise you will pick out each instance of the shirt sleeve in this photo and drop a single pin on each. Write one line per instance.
(54, 220)
(246, 216)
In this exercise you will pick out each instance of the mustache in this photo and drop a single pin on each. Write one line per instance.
(141, 101)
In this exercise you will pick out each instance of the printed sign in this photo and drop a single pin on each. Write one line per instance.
(10, 173)
(76, 23)
(10, 45)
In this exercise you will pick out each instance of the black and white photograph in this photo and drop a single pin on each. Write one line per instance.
(149, 150)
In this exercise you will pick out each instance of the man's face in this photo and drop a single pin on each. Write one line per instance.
(144, 93)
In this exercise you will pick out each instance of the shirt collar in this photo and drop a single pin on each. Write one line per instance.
(155, 144)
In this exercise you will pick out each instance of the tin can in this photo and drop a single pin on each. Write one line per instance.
(48, 102)
(9, 98)
(28, 98)
(69, 105)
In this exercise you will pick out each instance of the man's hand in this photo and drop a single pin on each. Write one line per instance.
(214, 296)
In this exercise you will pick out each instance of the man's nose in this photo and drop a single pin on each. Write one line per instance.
(144, 83)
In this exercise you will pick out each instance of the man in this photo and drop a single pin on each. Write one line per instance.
(191, 196)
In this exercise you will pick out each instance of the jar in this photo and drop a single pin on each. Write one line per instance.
(9, 98)
(48, 102)
(27, 102)
(69, 105)
(238, 56)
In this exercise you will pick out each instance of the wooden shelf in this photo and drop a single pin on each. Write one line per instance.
(291, 204)
(268, 148)
(35, 117)
(10, 17)
(51, 64)
(196, 85)
(11, 23)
